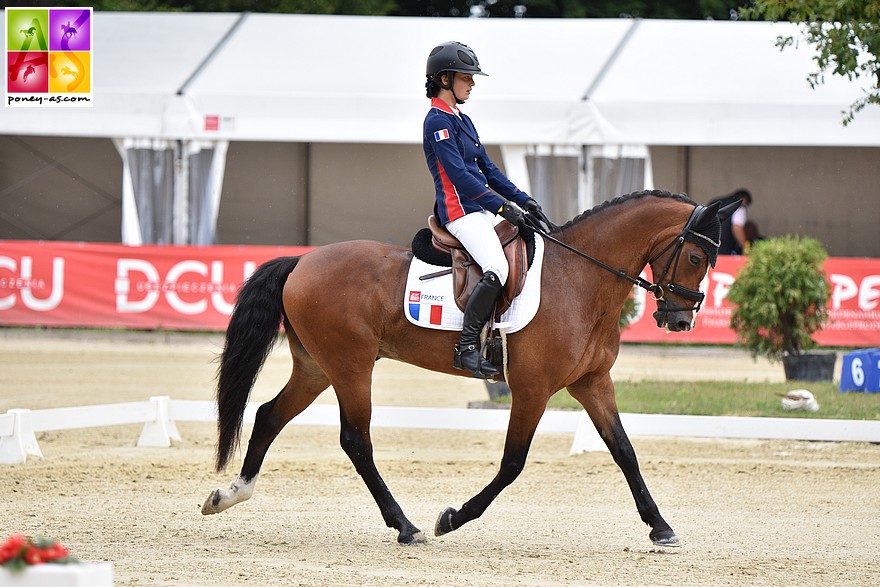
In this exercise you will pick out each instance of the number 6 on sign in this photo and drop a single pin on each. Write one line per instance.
(861, 371)
(858, 372)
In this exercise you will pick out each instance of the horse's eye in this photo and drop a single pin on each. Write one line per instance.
(695, 258)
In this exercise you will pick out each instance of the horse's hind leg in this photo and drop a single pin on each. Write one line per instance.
(306, 382)
(353, 391)
(597, 397)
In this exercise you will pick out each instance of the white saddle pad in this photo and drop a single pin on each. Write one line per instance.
(430, 303)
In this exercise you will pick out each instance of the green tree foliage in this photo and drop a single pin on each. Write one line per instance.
(846, 35)
(683, 9)
(359, 7)
(780, 296)
(629, 311)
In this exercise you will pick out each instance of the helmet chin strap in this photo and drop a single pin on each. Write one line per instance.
(452, 88)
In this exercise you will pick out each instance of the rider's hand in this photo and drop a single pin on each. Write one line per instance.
(512, 213)
(532, 206)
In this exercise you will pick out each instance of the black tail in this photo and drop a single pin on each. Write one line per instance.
(252, 332)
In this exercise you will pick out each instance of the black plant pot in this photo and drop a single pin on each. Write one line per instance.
(813, 366)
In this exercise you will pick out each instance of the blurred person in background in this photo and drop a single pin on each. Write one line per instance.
(733, 230)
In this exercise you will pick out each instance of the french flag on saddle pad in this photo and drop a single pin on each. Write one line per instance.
(441, 135)
(425, 313)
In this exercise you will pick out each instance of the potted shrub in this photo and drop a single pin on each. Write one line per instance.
(780, 297)
(630, 310)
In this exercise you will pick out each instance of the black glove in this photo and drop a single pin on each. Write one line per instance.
(512, 213)
(532, 206)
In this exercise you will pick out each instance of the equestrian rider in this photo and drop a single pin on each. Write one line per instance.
(470, 191)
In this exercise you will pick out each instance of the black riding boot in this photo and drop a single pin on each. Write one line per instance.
(479, 309)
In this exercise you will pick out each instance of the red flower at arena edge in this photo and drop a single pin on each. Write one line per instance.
(19, 551)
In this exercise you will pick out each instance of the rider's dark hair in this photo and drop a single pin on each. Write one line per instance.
(432, 86)
(743, 194)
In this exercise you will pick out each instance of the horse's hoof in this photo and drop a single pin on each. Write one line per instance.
(417, 537)
(211, 504)
(221, 500)
(666, 539)
(444, 522)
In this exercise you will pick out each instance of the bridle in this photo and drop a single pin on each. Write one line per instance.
(658, 289)
(687, 234)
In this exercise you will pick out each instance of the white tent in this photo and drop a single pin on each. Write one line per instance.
(360, 79)
(724, 83)
(173, 89)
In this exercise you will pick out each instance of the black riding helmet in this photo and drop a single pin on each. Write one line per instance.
(450, 57)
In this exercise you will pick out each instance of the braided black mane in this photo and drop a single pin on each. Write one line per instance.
(620, 200)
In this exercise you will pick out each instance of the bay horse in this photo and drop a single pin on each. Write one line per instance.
(342, 309)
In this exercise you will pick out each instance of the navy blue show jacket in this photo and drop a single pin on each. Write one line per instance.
(464, 176)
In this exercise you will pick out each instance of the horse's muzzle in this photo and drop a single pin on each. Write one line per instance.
(674, 321)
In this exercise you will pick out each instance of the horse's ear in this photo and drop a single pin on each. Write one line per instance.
(704, 214)
(725, 212)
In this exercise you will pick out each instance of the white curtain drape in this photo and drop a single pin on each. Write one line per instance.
(147, 190)
(170, 190)
(554, 173)
(567, 180)
(615, 170)
(207, 165)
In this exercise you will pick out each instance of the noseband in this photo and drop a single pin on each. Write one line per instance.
(657, 289)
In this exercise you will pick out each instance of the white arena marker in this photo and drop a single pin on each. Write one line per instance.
(586, 438)
(669, 425)
(17, 440)
(85, 574)
(162, 430)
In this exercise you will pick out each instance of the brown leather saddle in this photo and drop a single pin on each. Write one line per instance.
(466, 273)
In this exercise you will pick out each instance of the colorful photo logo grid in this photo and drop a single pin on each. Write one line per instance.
(48, 57)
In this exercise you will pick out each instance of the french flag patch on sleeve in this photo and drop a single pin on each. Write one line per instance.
(441, 135)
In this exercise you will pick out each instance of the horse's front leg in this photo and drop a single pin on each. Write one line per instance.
(524, 418)
(596, 394)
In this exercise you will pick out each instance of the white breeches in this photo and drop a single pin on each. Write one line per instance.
(476, 231)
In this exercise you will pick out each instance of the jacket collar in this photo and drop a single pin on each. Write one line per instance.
(463, 122)
(441, 105)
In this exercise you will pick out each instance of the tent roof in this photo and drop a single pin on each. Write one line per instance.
(299, 82)
(316, 78)
(724, 82)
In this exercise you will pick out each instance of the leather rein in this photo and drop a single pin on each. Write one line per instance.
(658, 289)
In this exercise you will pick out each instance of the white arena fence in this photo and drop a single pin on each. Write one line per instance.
(158, 417)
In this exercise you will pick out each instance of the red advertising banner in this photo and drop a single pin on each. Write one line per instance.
(854, 306)
(193, 288)
(116, 286)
